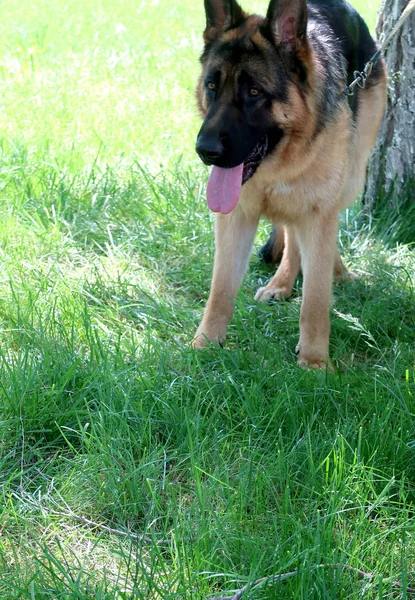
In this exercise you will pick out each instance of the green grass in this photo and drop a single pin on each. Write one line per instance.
(233, 463)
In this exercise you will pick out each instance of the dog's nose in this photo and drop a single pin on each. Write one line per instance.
(209, 149)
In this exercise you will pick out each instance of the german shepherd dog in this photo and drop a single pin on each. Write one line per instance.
(286, 142)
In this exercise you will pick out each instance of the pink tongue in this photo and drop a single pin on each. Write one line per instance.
(224, 188)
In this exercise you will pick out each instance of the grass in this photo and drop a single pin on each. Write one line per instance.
(233, 463)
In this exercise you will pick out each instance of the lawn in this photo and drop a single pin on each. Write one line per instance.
(130, 465)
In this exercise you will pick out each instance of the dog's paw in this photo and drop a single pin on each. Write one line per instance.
(202, 340)
(315, 363)
(345, 276)
(267, 293)
(351, 276)
(199, 343)
(312, 360)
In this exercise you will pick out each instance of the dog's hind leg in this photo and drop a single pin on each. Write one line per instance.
(235, 233)
(281, 285)
(271, 252)
(341, 272)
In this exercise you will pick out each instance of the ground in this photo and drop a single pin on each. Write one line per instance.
(232, 463)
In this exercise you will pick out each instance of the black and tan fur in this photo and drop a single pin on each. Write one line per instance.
(283, 77)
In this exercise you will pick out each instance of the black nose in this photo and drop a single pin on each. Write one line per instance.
(209, 148)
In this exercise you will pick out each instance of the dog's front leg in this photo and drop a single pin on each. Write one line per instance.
(234, 237)
(318, 243)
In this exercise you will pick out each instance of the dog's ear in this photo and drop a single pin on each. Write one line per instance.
(288, 21)
(220, 15)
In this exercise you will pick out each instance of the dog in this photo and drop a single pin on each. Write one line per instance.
(286, 142)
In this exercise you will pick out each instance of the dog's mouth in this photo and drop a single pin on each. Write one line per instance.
(225, 184)
(254, 159)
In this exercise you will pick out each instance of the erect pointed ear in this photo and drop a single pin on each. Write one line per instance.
(288, 21)
(220, 14)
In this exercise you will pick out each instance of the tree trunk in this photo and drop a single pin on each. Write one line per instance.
(391, 168)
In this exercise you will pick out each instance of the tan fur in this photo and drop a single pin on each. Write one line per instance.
(371, 108)
(303, 185)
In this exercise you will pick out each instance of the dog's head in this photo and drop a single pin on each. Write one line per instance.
(249, 65)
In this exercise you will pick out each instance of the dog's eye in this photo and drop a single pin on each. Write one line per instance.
(211, 86)
(253, 91)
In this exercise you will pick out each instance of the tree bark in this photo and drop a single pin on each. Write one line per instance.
(392, 165)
